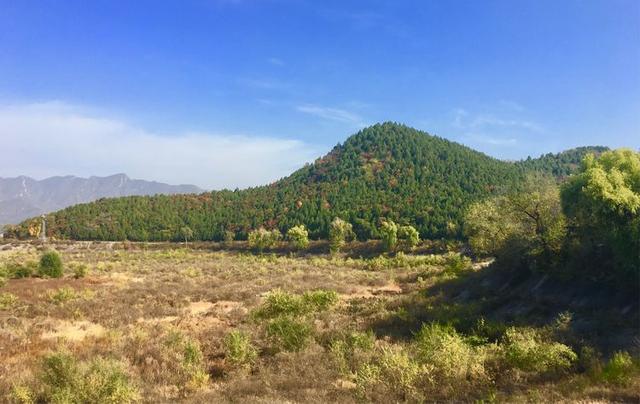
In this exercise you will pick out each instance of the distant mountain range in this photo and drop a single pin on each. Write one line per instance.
(23, 197)
(386, 171)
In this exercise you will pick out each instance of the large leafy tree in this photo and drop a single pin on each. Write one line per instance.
(603, 204)
(523, 225)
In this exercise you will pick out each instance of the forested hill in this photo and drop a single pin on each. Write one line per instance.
(560, 164)
(384, 171)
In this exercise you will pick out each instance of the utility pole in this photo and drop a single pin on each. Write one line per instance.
(43, 232)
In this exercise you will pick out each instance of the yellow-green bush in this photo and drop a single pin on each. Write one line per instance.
(263, 239)
(62, 295)
(392, 375)
(619, 369)
(298, 236)
(399, 370)
(14, 270)
(319, 300)
(80, 271)
(238, 349)
(346, 349)
(65, 380)
(525, 350)
(7, 300)
(452, 358)
(280, 303)
(184, 356)
(289, 334)
(22, 394)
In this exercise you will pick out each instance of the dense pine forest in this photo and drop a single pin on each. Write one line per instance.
(386, 171)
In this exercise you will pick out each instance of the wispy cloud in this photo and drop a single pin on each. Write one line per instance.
(333, 114)
(464, 120)
(56, 138)
(505, 126)
(276, 61)
(491, 140)
(459, 118)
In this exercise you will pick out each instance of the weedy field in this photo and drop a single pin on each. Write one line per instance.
(138, 322)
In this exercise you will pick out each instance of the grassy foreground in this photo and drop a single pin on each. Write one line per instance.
(128, 323)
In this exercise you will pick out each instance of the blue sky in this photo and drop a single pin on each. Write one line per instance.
(238, 92)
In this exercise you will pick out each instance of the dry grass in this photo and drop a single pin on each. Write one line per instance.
(166, 312)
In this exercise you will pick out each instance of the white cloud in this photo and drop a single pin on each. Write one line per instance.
(332, 114)
(55, 138)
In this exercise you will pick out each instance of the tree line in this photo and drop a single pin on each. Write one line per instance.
(384, 172)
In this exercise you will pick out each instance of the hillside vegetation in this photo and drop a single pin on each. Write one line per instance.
(386, 171)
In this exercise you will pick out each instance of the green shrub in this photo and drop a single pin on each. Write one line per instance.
(392, 375)
(319, 300)
(263, 239)
(80, 271)
(590, 361)
(455, 263)
(184, 357)
(289, 334)
(23, 271)
(106, 381)
(7, 300)
(22, 394)
(398, 370)
(389, 234)
(618, 369)
(408, 237)
(339, 233)
(238, 349)
(98, 381)
(3, 281)
(525, 350)
(279, 303)
(448, 353)
(367, 376)
(51, 265)
(14, 270)
(62, 295)
(298, 236)
(59, 371)
(347, 347)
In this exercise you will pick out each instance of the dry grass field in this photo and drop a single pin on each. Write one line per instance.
(137, 322)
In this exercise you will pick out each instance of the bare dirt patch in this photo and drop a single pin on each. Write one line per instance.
(228, 306)
(199, 308)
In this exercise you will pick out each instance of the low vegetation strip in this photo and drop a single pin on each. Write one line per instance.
(204, 326)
